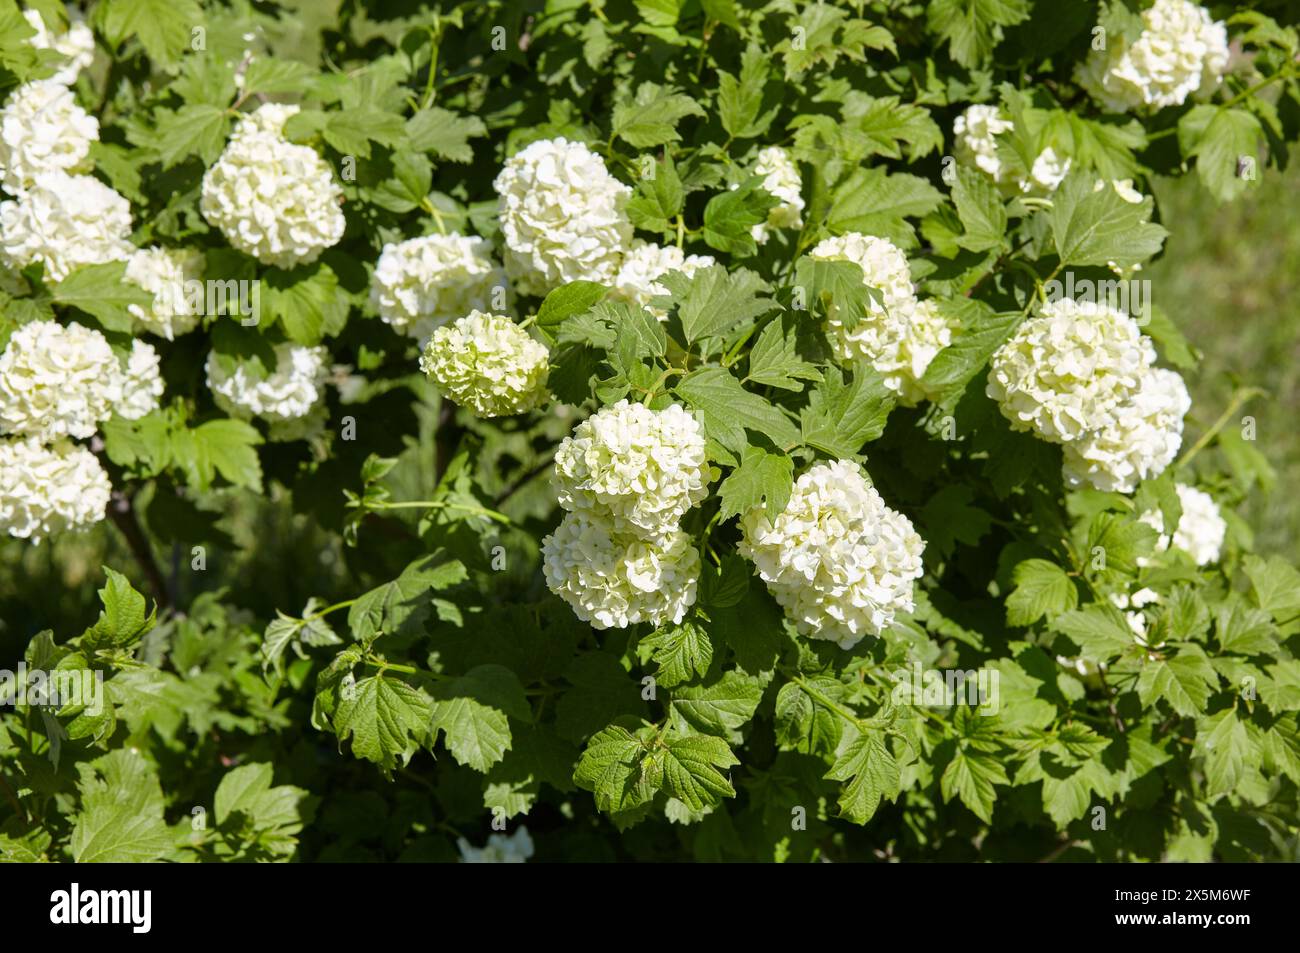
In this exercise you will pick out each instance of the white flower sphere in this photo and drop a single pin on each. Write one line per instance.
(1139, 439)
(42, 129)
(65, 222)
(77, 45)
(422, 283)
(272, 199)
(781, 178)
(838, 560)
(141, 383)
(642, 468)
(57, 381)
(613, 580)
(514, 848)
(488, 364)
(1062, 373)
(562, 216)
(287, 392)
(975, 132)
(645, 263)
(47, 490)
(163, 272)
(1180, 52)
(1201, 529)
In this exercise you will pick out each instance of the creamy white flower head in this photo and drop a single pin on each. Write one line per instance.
(645, 263)
(65, 221)
(272, 199)
(57, 381)
(975, 132)
(288, 391)
(643, 468)
(163, 272)
(513, 848)
(488, 364)
(1123, 188)
(781, 178)
(141, 382)
(47, 490)
(613, 580)
(562, 216)
(1200, 531)
(1049, 171)
(1139, 438)
(1181, 51)
(422, 283)
(839, 560)
(77, 45)
(1063, 372)
(42, 129)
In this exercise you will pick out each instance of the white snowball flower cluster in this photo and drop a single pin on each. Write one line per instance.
(57, 381)
(272, 199)
(781, 178)
(47, 490)
(1080, 374)
(164, 272)
(641, 468)
(65, 221)
(645, 263)
(898, 335)
(422, 283)
(141, 383)
(1181, 51)
(77, 45)
(614, 580)
(488, 364)
(42, 129)
(562, 216)
(287, 393)
(839, 561)
(976, 131)
(513, 848)
(1139, 440)
(1200, 529)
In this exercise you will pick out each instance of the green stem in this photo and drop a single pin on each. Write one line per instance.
(828, 703)
(438, 504)
(1238, 399)
(334, 608)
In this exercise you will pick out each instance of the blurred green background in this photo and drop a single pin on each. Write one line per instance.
(1228, 279)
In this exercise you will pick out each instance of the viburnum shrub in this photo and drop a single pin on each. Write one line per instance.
(643, 429)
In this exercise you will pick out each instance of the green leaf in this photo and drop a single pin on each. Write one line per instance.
(876, 126)
(950, 519)
(690, 770)
(306, 301)
(386, 719)
(748, 104)
(223, 446)
(866, 763)
(472, 711)
(980, 208)
(730, 217)
(714, 301)
(1184, 681)
(762, 479)
(774, 359)
(973, 28)
(821, 34)
(568, 300)
(103, 292)
(1275, 586)
(970, 776)
(123, 621)
(725, 585)
(983, 332)
(269, 74)
(602, 691)
(121, 818)
(727, 410)
(270, 816)
(718, 708)
(162, 26)
(612, 768)
(805, 724)
(651, 119)
(681, 651)
(874, 202)
(1099, 630)
(197, 129)
(1042, 589)
(446, 133)
(846, 412)
(1225, 143)
(1094, 226)
(659, 198)
(1226, 746)
(404, 604)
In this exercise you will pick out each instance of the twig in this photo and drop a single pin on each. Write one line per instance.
(522, 480)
